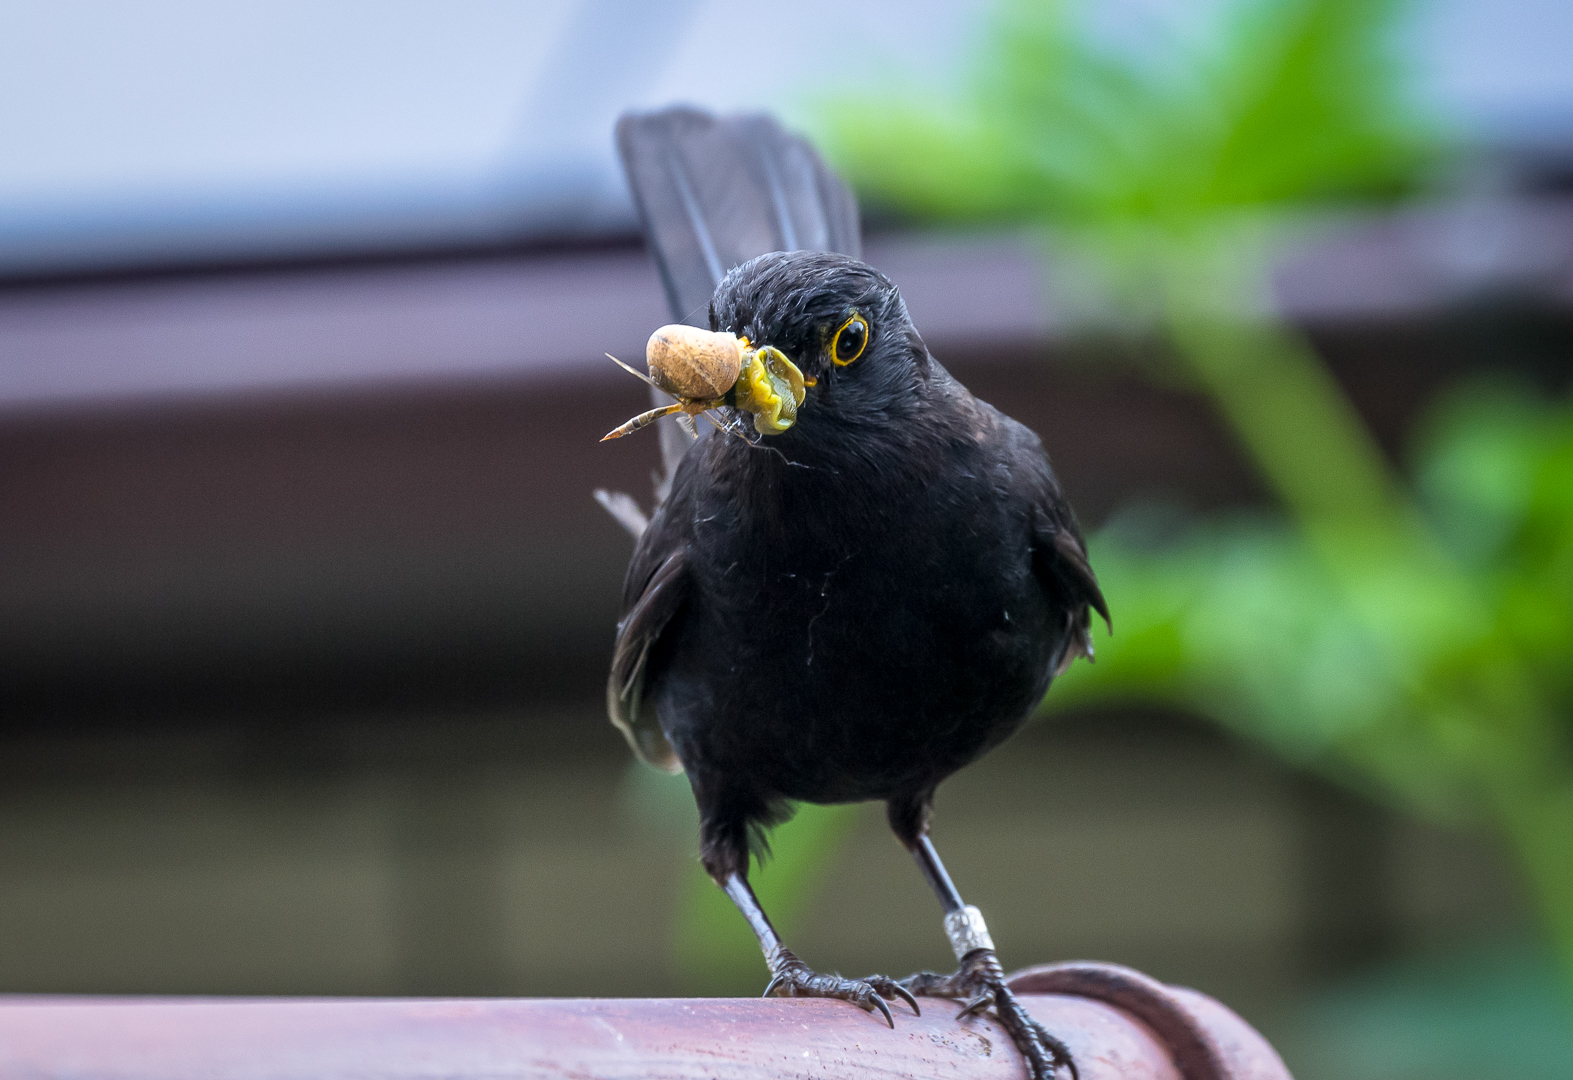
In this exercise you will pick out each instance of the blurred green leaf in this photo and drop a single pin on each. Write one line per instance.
(1284, 102)
(1489, 1012)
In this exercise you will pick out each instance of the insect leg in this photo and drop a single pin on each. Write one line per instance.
(631, 371)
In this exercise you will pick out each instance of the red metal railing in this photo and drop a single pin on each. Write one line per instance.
(1118, 1024)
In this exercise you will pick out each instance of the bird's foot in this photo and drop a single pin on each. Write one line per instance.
(980, 982)
(793, 978)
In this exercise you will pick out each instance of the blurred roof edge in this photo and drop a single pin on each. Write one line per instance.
(579, 203)
(551, 309)
(276, 228)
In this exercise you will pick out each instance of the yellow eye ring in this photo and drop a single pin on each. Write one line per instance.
(849, 341)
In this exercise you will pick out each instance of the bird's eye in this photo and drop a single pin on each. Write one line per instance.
(849, 342)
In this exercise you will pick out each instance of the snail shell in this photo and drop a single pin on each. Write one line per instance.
(694, 364)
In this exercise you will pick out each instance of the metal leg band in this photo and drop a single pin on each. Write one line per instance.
(967, 931)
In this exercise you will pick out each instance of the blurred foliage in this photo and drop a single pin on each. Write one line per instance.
(1491, 1011)
(1434, 671)
(1412, 637)
(1367, 664)
(1285, 101)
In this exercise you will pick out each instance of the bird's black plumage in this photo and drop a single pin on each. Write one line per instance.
(854, 608)
(862, 605)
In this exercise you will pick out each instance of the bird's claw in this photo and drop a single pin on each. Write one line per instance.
(978, 969)
(980, 982)
(880, 1003)
(976, 1005)
(1044, 1053)
(793, 978)
(890, 990)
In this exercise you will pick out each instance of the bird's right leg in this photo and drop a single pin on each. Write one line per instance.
(725, 856)
(790, 977)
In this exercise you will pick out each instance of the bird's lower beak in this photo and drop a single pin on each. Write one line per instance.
(771, 388)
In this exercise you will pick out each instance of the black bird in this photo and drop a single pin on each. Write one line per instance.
(858, 607)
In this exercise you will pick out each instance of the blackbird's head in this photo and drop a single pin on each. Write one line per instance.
(839, 320)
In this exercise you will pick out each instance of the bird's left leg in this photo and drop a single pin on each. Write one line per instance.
(979, 980)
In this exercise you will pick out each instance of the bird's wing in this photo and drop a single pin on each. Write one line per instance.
(1059, 557)
(654, 593)
(713, 193)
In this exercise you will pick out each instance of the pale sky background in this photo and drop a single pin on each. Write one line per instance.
(157, 129)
